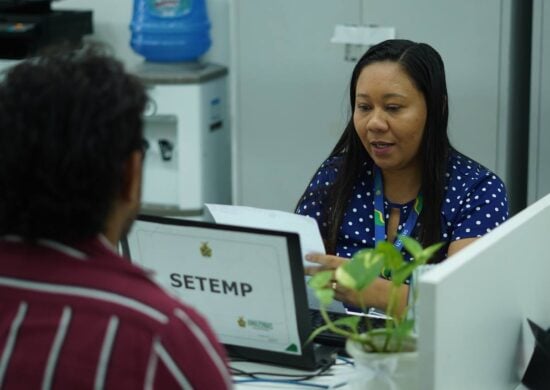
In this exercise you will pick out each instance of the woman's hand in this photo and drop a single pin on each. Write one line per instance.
(376, 295)
(330, 263)
(326, 263)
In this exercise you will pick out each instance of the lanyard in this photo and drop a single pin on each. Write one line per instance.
(379, 218)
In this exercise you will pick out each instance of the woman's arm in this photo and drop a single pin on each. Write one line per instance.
(455, 246)
(377, 294)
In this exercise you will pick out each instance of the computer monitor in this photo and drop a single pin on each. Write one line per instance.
(248, 283)
(473, 308)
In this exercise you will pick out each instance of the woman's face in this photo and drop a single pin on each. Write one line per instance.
(389, 116)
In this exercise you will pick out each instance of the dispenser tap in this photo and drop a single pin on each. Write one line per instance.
(166, 148)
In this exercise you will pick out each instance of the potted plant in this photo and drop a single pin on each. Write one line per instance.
(386, 356)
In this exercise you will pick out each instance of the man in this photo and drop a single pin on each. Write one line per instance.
(73, 314)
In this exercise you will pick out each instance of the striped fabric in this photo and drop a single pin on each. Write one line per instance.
(84, 318)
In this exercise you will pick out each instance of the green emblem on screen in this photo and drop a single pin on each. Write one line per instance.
(241, 322)
(292, 348)
(205, 249)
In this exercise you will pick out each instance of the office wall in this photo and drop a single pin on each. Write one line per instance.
(291, 85)
(290, 94)
(486, 48)
(539, 152)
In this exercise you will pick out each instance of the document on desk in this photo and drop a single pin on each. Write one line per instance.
(306, 227)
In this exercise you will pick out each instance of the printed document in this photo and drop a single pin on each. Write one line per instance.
(306, 227)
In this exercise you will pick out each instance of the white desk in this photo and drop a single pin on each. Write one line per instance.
(335, 376)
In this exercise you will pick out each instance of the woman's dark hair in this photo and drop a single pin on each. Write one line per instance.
(425, 68)
(69, 120)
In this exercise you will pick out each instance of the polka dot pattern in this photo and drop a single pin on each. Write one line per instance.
(475, 202)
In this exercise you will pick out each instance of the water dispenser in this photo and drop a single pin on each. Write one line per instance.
(188, 162)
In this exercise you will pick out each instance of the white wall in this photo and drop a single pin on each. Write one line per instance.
(291, 98)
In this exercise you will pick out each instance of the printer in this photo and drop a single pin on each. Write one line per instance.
(27, 26)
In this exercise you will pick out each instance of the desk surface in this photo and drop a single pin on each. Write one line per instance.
(285, 378)
(335, 376)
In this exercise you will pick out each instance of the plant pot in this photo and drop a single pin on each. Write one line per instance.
(383, 371)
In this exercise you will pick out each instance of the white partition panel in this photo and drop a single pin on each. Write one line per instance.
(473, 307)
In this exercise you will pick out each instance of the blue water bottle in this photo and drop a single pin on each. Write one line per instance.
(170, 30)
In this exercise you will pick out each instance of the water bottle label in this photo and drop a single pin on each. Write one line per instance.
(170, 7)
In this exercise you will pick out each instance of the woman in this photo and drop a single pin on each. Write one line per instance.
(394, 164)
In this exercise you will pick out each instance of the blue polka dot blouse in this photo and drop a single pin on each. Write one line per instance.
(475, 202)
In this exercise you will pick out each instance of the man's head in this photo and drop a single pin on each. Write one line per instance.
(70, 146)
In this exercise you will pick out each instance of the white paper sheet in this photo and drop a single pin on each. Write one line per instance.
(306, 227)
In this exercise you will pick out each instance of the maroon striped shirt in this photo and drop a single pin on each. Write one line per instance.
(83, 317)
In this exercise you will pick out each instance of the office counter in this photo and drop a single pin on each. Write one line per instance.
(334, 378)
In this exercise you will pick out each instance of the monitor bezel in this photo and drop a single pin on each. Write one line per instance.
(311, 357)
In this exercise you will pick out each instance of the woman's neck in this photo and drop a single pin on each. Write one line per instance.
(402, 186)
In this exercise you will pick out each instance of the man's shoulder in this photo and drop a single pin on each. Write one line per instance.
(91, 277)
(107, 295)
(153, 300)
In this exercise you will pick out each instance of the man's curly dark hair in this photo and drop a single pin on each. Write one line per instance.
(69, 120)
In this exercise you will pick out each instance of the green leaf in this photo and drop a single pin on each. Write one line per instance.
(315, 333)
(345, 278)
(325, 295)
(370, 258)
(404, 329)
(320, 280)
(397, 335)
(411, 245)
(337, 326)
(360, 271)
(350, 322)
(393, 259)
(428, 253)
(400, 275)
